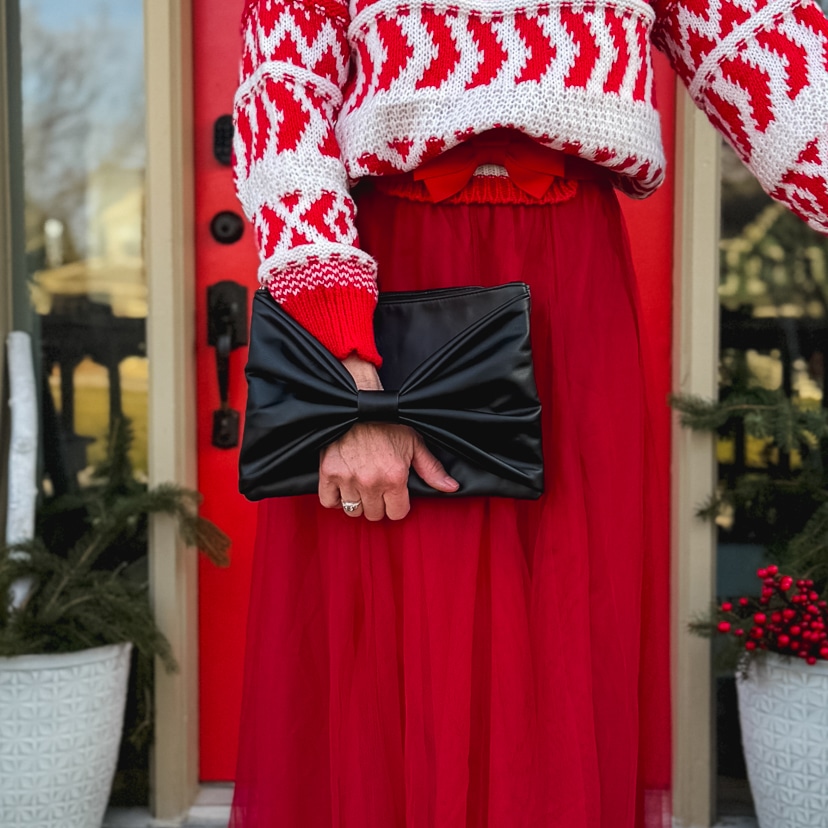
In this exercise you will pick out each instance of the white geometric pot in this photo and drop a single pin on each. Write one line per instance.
(783, 710)
(61, 718)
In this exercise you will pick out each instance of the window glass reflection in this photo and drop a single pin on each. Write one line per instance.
(773, 293)
(774, 334)
(84, 160)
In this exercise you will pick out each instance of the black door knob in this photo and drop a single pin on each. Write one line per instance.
(227, 227)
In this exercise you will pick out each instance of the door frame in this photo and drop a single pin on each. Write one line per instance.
(170, 267)
(693, 475)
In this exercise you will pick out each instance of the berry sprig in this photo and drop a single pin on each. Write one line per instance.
(788, 618)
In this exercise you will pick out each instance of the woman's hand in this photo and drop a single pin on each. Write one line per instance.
(371, 462)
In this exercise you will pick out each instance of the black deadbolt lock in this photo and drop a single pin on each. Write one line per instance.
(226, 331)
(227, 227)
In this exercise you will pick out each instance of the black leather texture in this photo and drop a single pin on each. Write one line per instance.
(457, 367)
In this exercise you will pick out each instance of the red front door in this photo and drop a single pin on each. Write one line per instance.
(223, 593)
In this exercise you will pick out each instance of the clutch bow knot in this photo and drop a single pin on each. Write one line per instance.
(378, 406)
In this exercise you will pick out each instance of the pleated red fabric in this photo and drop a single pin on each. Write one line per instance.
(484, 663)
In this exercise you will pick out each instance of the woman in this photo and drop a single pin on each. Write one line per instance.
(473, 662)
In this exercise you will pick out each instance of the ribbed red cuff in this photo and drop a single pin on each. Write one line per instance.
(340, 317)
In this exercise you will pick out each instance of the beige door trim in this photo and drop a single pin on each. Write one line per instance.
(170, 339)
(695, 361)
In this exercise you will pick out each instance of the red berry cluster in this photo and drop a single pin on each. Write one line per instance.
(788, 618)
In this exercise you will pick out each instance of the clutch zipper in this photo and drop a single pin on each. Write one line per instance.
(400, 297)
(403, 296)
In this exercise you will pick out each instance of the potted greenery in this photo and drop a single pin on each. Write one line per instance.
(782, 685)
(65, 649)
(777, 640)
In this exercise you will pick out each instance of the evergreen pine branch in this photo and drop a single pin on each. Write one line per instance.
(700, 414)
(194, 530)
(712, 507)
(144, 679)
(703, 626)
(789, 513)
(728, 654)
(73, 604)
(121, 517)
(115, 470)
(807, 553)
(780, 505)
(764, 414)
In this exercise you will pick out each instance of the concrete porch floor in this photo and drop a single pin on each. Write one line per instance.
(212, 810)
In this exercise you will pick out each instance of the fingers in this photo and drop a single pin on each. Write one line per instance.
(338, 488)
(334, 492)
(431, 469)
(329, 495)
(397, 504)
(381, 488)
(373, 506)
(370, 465)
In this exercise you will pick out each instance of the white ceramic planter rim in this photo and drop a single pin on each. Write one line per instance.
(790, 663)
(58, 661)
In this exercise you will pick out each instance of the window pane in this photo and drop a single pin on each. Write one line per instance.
(84, 158)
(774, 334)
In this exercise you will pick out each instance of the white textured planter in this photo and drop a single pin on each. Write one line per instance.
(783, 710)
(61, 718)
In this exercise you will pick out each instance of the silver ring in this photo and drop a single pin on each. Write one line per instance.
(351, 506)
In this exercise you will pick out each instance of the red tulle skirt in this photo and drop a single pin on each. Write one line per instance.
(484, 662)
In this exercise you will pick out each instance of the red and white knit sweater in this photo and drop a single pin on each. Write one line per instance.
(331, 93)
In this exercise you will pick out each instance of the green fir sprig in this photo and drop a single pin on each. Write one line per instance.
(783, 508)
(765, 414)
(83, 590)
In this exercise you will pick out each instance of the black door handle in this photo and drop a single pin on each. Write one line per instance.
(223, 139)
(226, 331)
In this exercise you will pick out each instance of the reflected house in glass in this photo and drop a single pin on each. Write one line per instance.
(93, 308)
(774, 298)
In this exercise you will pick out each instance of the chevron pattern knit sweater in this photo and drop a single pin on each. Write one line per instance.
(330, 93)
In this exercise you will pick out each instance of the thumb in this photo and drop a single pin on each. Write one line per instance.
(431, 469)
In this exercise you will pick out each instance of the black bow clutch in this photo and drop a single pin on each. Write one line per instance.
(457, 366)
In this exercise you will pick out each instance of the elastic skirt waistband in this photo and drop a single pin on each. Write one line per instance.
(481, 189)
(499, 166)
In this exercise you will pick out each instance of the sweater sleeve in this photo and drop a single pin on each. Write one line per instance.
(289, 173)
(759, 70)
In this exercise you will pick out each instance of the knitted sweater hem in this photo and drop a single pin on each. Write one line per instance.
(432, 74)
